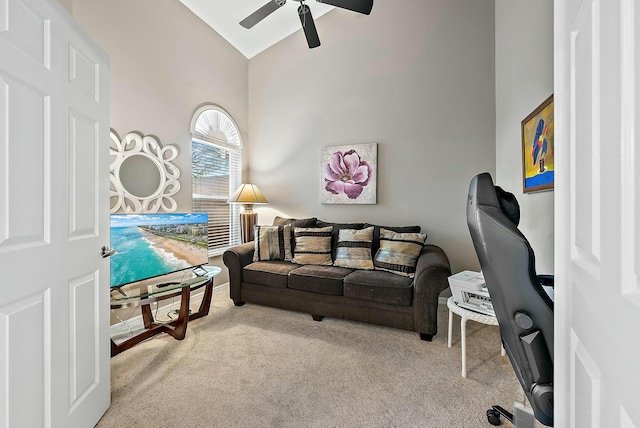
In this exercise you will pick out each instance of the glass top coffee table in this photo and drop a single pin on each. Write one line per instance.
(146, 294)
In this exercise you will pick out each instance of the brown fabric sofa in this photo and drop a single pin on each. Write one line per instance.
(371, 296)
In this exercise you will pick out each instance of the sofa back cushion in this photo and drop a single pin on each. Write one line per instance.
(272, 243)
(336, 231)
(399, 252)
(313, 245)
(295, 222)
(354, 248)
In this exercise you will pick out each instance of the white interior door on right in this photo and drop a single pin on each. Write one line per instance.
(597, 213)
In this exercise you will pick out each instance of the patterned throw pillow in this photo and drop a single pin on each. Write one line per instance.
(399, 252)
(272, 243)
(294, 222)
(354, 248)
(313, 245)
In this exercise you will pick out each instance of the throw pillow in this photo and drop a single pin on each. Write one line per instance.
(376, 233)
(354, 248)
(399, 252)
(294, 222)
(272, 243)
(313, 245)
(336, 230)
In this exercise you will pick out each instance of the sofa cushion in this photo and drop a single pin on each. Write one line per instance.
(399, 252)
(295, 222)
(336, 231)
(375, 243)
(319, 279)
(272, 243)
(378, 286)
(354, 249)
(272, 273)
(313, 246)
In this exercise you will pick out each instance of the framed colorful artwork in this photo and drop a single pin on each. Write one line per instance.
(349, 174)
(538, 149)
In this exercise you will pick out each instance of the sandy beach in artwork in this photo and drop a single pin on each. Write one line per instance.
(192, 254)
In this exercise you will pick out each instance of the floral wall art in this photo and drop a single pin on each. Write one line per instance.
(349, 174)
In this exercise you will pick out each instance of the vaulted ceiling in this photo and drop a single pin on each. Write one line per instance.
(224, 17)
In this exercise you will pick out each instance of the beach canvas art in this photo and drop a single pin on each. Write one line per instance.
(150, 245)
(349, 174)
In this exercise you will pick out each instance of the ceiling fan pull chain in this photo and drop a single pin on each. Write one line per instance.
(303, 11)
(303, 8)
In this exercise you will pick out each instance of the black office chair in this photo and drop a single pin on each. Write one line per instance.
(523, 309)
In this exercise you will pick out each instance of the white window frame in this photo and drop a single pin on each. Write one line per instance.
(212, 125)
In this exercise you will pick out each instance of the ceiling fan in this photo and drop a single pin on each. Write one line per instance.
(309, 27)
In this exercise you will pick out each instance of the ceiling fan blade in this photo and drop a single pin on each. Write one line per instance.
(360, 6)
(308, 26)
(262, 13)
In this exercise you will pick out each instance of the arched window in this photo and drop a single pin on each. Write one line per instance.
(216, 171)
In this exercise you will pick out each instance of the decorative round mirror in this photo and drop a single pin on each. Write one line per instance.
(143, 178)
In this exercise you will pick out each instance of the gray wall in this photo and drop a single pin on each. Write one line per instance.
(67, 4)
(165, 62)
(421, 80)
(524, 78)
(416, 78)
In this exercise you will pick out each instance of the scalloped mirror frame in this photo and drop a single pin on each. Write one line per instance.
(147, 146)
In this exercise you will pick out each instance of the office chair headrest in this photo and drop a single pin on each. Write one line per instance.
(509, 205)
(487, 194)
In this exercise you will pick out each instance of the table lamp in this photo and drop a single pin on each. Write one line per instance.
(247, 195)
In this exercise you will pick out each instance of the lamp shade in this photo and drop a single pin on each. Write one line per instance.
(247, 194)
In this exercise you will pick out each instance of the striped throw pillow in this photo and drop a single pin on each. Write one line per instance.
(354, 248)
(313, 245)
(272, 243)
(399, 252)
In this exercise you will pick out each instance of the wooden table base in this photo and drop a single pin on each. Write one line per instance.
(176, 328)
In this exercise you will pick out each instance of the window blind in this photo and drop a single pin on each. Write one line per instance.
(216, 173)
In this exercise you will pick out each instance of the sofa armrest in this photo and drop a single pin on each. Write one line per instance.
(236, 258)
(431, 278)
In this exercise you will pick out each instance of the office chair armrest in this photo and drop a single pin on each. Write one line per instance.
(546, 280)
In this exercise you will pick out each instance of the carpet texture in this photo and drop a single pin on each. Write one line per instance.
(255, 366)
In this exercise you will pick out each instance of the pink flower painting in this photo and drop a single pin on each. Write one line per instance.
(349, 174)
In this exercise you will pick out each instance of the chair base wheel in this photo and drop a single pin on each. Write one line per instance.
(493, 416)
(494, 413)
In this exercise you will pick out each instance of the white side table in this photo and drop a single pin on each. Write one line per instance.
(467, 314)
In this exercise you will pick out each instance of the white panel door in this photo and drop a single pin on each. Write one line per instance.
(597, 200)
(54, 206)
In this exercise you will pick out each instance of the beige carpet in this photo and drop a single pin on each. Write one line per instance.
(256, 366)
